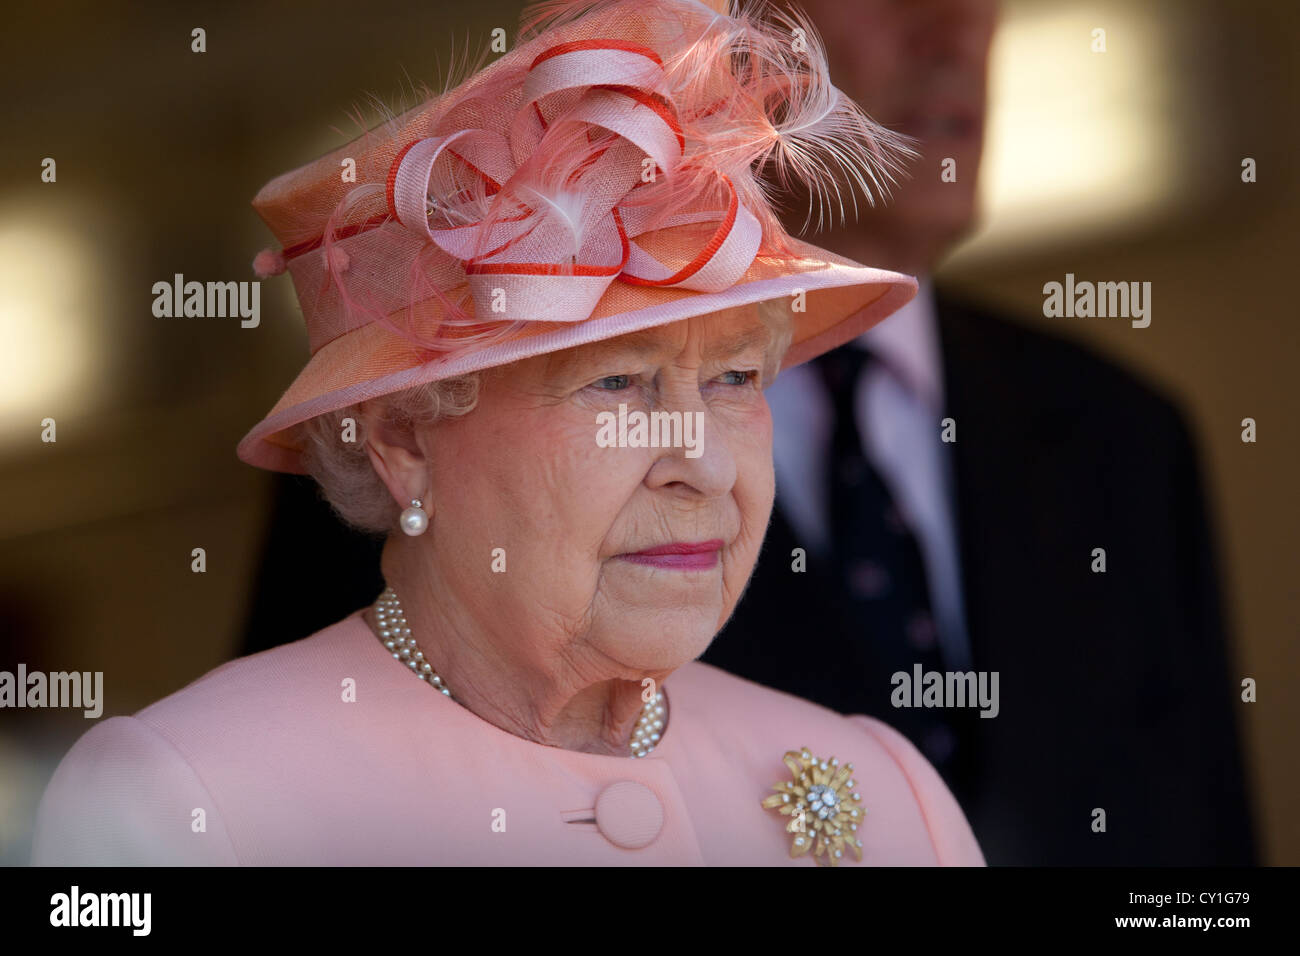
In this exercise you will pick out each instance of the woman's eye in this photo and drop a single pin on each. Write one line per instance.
(744, 377)
(614, 383)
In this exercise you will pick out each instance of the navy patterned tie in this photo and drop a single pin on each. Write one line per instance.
(880, 570)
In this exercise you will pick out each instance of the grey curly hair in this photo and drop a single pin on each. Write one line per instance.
(343, 471)
(342, 468)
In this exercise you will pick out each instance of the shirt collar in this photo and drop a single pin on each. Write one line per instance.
(907, 343)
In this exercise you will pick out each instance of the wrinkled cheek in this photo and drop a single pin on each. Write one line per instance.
(583, 506)
(753, 496)
(528, 472)
(756, 480)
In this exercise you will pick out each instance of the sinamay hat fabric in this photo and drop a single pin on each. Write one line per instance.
(604, 176)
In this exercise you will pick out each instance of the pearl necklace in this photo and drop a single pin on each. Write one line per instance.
(395, 634)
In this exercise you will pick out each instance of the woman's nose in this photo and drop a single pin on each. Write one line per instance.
(692, 451)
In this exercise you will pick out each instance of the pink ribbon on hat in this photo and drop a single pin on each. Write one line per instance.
(553, 258)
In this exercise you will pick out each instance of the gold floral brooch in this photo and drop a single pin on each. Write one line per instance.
(824, 812)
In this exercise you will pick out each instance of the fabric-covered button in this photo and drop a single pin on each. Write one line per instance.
(629, 814)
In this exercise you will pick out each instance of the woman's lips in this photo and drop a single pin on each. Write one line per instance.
(680, 555)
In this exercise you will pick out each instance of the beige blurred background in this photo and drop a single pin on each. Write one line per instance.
(1122, 166)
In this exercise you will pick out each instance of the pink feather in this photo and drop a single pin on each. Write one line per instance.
(750, 107)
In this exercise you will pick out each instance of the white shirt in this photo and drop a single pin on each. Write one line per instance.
(900, 400)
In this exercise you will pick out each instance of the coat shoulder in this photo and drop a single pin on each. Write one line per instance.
(987, 350)
(751, 727)
(147, 789)
(272, 680)
(722, 696)
(125, 796)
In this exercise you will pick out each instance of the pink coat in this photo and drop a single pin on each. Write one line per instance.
(262, 761)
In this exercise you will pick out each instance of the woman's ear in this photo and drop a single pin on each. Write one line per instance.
(395, 454)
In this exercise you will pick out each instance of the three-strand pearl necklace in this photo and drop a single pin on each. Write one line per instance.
(395, 634)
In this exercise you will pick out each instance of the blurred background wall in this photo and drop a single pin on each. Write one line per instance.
(1122, 166)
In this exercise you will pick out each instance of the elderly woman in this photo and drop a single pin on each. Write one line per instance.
(541, 319)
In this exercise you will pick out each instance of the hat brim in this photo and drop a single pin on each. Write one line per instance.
(843, 299)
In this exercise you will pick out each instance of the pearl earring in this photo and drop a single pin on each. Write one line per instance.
(415, 520)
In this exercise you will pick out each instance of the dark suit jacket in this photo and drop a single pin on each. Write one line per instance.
(1114, 691)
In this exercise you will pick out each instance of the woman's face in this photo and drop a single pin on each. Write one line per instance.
(532, 471)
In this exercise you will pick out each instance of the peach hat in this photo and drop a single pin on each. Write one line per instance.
(604, 176)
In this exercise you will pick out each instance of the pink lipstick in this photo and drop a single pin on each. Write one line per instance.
(680, 555)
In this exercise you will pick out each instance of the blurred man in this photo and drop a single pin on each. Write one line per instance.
(1108, 736)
